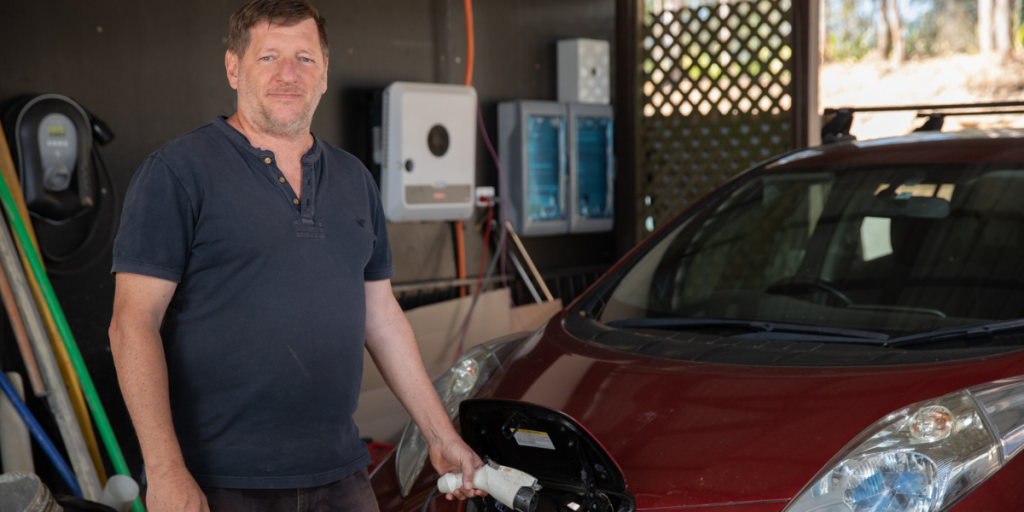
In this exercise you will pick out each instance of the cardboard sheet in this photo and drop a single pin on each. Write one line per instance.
(437, 328)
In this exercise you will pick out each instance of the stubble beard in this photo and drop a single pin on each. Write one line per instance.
(263, 117)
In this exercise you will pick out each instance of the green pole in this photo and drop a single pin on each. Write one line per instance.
(99, 415)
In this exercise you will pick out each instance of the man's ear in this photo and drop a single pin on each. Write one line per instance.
(231, 65)
(326, 63)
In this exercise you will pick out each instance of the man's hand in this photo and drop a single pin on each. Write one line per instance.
(454, 455)
(393, 347)
(174, 491)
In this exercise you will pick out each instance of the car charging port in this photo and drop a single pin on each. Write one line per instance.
(550, 499)
(573, 471)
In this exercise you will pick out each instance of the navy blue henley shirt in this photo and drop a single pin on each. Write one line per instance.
(264, 335)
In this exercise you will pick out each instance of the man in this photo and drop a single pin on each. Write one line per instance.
(251, 264)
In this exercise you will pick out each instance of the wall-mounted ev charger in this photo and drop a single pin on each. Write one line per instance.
(427, 152)
(55, 144)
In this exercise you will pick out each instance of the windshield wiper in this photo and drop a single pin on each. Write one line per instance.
(757, 325)
(967, 331)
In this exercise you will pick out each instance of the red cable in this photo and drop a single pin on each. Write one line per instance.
(483, 251)
(460, 255)
(480, 274)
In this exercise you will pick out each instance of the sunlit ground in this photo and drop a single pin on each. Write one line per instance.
(957, 78)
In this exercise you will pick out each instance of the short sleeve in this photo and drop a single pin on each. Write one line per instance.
(379, 267)
(157, 224)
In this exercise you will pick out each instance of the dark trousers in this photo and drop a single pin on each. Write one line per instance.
(350, 494)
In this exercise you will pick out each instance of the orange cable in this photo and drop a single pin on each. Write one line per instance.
(469, 42)
(460, 243)
(21, 336)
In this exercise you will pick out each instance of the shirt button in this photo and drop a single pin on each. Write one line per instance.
(296, 201)
(267, 160)
(281, 179)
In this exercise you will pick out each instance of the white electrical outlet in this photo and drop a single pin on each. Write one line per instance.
(584, 71)
(484, 196)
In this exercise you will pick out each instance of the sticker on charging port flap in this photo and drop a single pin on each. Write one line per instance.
(533, 439)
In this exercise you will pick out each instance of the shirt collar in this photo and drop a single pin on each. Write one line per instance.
(242, 142)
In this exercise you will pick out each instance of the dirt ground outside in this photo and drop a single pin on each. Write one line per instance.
(957, 78)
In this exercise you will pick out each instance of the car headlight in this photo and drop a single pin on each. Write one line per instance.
(925, 457)
(463, 380)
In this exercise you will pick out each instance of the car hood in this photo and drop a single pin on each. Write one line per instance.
(691, 434)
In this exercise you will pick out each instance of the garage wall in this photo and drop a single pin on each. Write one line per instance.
(154, 70)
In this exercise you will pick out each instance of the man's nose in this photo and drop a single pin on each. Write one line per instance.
(287, 70)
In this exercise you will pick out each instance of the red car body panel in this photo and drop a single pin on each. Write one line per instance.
(738, 438)
(694, 434)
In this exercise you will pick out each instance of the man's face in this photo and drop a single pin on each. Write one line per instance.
(280, 77)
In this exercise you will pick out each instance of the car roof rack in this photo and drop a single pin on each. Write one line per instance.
(839, 120)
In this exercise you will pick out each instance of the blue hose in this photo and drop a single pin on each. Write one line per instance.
(40, 435)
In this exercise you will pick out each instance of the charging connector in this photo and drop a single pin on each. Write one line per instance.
(511, 487)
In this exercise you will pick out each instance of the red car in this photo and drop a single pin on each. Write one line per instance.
(839, 329)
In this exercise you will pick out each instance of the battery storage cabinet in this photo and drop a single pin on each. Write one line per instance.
(532, 149)
(428, 151)
(591, 168)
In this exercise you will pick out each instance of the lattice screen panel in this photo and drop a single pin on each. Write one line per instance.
(717, 99)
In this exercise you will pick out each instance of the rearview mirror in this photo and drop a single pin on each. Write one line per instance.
(916, 207)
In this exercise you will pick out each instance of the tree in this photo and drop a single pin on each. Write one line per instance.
(986, 38)
(995, 26)
(1002, 26)
(882, 31)
(892, 16)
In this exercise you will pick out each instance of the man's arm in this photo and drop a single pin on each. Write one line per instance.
(139, 306)
(392, 345)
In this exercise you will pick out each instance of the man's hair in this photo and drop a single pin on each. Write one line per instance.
(278, 12)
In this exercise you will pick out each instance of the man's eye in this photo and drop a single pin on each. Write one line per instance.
(265, 58)
(306, 59)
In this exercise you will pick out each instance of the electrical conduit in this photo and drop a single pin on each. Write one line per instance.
(460, 243)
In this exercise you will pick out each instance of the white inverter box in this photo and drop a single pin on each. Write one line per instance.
(428, 151)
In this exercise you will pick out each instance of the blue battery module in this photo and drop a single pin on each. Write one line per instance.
(593, 166)
(545, 166)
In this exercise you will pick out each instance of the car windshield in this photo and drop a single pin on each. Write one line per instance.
(893, 249)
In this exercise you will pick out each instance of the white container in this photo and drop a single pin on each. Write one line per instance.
(119, 493)
(584, 71)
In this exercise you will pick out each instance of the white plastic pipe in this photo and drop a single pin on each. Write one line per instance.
(119, 493)
(15, 440)
(513, 488)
